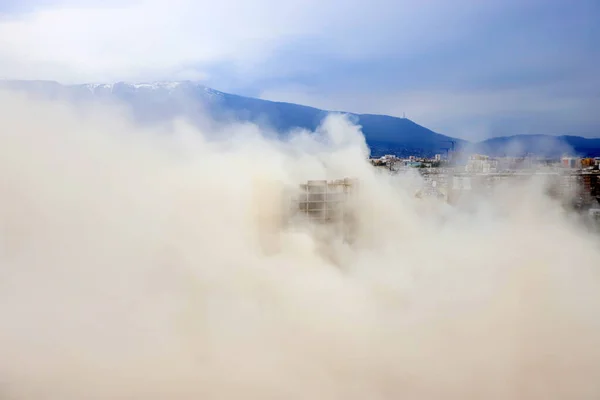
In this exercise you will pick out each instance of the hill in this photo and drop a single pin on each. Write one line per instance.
(152, 102)
(160, 101)
(541, 145)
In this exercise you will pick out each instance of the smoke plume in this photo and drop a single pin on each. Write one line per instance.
(154, 264)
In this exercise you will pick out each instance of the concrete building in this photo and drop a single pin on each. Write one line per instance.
(481, 164)
(327, 202)
(324, 201)
(571, 162)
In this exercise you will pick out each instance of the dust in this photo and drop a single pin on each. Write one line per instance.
(134, 264)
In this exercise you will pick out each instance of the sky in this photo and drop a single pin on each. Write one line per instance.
(465, 68)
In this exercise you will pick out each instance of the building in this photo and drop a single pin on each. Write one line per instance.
(327, 202)
(571, 162)
(478, 163)
(438, 157)
(324, 201)
(587, 162)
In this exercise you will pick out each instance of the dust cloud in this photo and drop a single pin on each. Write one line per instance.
(150, 264)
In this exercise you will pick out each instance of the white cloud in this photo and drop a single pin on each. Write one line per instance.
(158, 39)
(141, 39)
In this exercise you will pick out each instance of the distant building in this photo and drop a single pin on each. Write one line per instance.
(438, 157)
(571, 162)
(587, 162)
(505, 163)
(478, 163)
(461, 183)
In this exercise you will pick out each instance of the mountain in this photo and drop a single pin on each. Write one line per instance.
(160, 101)
(541, 145)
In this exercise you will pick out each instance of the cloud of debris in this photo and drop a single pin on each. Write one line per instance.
(152, 265)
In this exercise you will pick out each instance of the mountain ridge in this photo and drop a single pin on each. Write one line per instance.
(161, 100)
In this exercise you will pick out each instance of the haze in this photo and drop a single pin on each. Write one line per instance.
(159, 262)
(138, 264)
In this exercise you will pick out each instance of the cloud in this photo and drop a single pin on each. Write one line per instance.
(352, 55)
(150, 39)
(526, 69)
(141, 39)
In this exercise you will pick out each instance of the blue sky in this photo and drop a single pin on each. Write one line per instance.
(467, 68)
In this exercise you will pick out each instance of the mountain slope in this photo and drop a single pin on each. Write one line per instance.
(152, 102)
(161, 101)
(542, 145)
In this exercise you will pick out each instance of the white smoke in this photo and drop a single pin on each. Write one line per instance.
(134, 265)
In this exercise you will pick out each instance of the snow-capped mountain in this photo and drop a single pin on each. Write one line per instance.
(153, 102)
(161, 87)
(158, 101)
